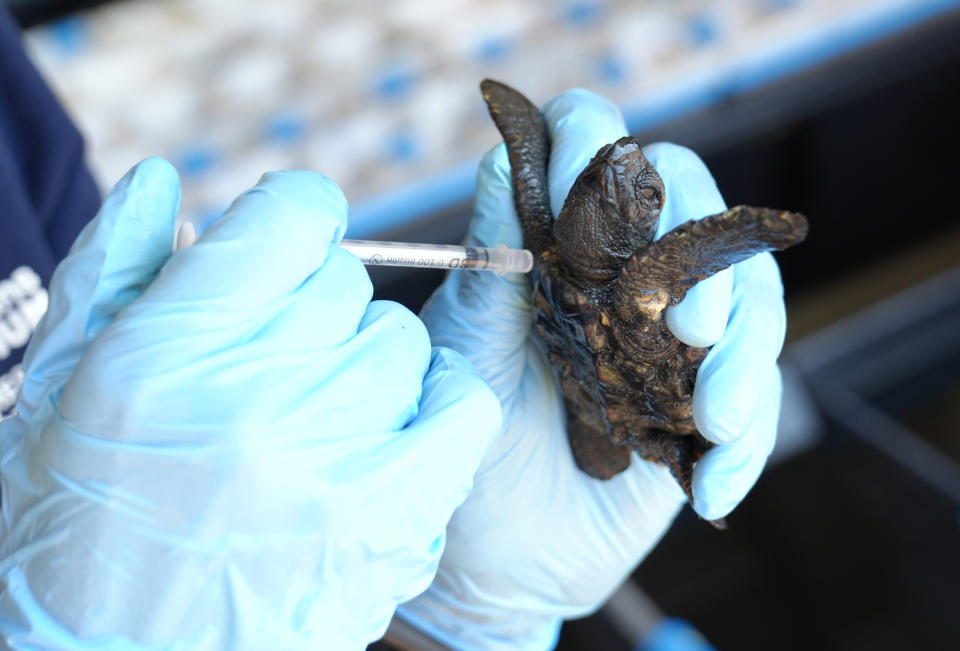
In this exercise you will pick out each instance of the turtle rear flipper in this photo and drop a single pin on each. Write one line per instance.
(593, 450)
(679, 454)
(662, 273)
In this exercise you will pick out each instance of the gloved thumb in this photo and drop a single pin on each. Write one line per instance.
(486, 316)
(115, 257)
(691, 193)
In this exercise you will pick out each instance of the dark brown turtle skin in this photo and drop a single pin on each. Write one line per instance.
(601, 285)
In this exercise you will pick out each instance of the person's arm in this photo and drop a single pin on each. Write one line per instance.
(48, 195)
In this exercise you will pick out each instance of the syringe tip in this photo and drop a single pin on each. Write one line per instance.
(505, 260)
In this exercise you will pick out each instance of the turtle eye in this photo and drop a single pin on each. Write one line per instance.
(647, 189)
(650, 195)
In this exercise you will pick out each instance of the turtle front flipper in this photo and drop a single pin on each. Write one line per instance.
(662, 273)
(593, 450)
(524, 132)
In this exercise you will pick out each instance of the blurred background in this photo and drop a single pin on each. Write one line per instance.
(845, 110)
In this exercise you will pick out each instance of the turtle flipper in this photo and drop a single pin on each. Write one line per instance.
(679, 453)
(594, 452)
(528, 147)
(662, 273)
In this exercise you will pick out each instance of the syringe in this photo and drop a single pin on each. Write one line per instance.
(440, 256)
(499, 259)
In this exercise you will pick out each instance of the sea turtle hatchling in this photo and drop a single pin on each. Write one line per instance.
(601, 285)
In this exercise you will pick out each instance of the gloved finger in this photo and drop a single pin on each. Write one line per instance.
(113, 260)
(323, 312)
(494, 214)
(383, 365)
(431, 461)
(494, 222)
(440, 450)
(484, 315)
(326, 310)
(322, 384)
(726, 473)
(271, 239)
(736, 372)
(579, 123)
(691, 193)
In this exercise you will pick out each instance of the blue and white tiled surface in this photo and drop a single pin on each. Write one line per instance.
(382, 96)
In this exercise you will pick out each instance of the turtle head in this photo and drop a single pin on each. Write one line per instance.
(611, 212)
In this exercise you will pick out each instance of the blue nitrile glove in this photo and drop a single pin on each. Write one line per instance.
(231, 448)
(538, 540)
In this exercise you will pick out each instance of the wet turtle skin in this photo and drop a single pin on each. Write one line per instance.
(601, 285)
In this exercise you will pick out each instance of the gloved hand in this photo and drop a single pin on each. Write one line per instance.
(231, 448)
(538, 540)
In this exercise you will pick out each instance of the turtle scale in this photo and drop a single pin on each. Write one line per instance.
(601, 284)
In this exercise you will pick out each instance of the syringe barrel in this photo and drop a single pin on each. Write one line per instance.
(440, 256)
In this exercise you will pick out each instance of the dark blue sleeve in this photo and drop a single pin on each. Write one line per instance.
(46, 196)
